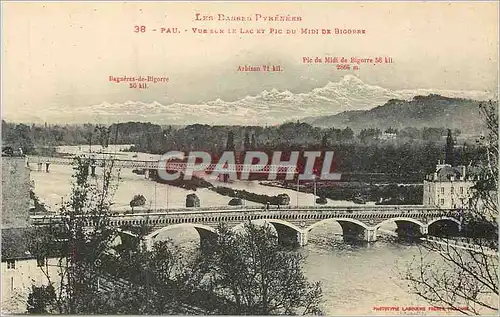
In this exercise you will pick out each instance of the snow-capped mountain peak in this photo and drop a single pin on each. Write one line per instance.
(274, 106)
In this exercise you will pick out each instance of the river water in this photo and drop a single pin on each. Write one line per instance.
(355, 279)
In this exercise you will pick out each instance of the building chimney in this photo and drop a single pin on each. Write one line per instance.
(462, 171)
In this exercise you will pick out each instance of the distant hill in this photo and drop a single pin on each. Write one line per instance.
(422, 111)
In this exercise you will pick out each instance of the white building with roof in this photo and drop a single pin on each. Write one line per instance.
(449, 187)
(21, 270)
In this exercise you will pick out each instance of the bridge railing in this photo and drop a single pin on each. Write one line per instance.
(337, 211)
(376, 208)
(178, 166)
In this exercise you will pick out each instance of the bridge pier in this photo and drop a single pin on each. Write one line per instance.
(302, 238)
(370, 235)
(288, 236)
(150, 173)
(147, 244)
(352, 231)
(424, 230)
(207, 239)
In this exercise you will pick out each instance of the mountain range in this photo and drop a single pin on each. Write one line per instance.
(422, 111)
(269, 107)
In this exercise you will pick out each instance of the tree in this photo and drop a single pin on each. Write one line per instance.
(450, 152)
(148, 280)
(324, 141)
(253, 143)
(230, 141)
(103, 135)
(41, 300)
(467, 277)
(347, 134)
(138, 200)
(95, 276)
(18, 136)
(370, 134)
(246, 142)
(78, 242)
(251, 270)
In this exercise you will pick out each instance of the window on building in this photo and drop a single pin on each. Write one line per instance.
(452, 190)
(461, 190)
(442, 190)
(11, 264)
(429, 188)
(429, 200)
(442, 201)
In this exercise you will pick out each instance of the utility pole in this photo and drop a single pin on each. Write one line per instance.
(168, 187)
(116, 136)
(314, 183)
(155, 195)
(298, 189)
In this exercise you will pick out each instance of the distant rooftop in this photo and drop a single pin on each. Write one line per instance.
(15, 244)
(18, 243)
(446, 172)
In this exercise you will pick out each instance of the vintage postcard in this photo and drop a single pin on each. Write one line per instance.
(250, 158)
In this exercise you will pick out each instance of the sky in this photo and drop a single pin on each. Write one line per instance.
(62, 54)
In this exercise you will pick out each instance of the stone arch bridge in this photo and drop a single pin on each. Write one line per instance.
(292, 224)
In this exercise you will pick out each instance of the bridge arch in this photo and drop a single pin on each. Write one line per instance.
(351, 220)
(282, 222)
(352, 229)
(415, 221)
(120, 231)
(407, 228)
(445, 218)
(271, 221)
(447, 226)
(288, 233)
(197, 226)
(123, 237)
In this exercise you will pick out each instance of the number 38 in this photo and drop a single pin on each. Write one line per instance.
(141, 28)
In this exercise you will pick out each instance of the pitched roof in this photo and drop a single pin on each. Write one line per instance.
(445, 173)
(15, 244)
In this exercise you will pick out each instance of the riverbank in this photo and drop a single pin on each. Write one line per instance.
(196, 183)
(383, 194)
